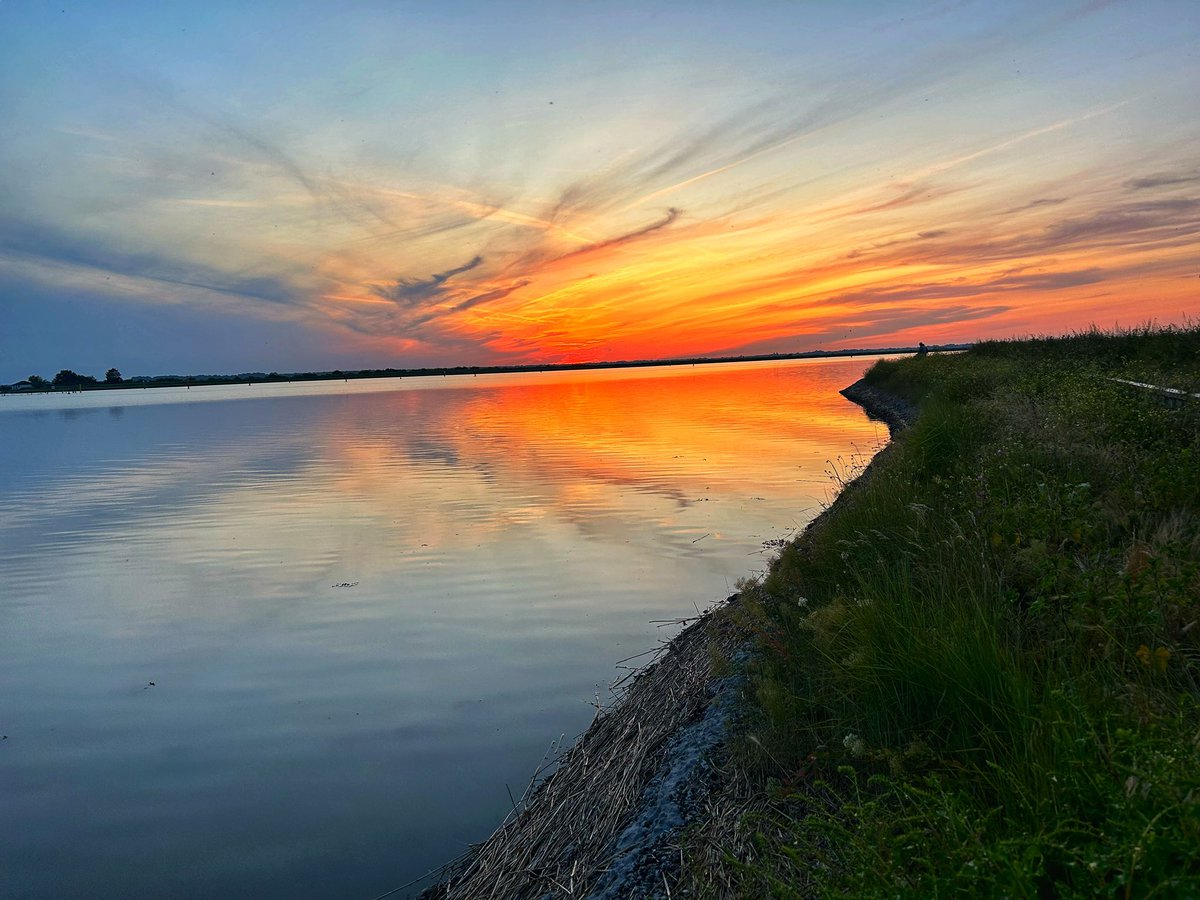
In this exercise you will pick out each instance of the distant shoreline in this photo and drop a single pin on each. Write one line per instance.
(142, 381)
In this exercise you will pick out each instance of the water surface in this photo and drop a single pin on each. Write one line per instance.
(300, 639)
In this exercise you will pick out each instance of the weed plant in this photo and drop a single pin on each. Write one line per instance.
(981, 675)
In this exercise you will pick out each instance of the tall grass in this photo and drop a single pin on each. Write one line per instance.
(982, 673)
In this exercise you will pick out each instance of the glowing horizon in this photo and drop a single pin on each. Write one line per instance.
(375, 187)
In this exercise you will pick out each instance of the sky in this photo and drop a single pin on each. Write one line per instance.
(227, 187)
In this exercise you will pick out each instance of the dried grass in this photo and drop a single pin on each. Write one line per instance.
(557, 840)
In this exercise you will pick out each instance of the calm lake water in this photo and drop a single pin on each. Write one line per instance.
(295, 640)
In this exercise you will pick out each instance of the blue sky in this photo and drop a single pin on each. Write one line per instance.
(204, 187)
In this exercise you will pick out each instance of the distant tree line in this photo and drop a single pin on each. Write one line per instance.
(70, 379)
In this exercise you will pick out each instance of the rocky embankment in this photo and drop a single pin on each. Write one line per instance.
(603, 822)
(895, 411)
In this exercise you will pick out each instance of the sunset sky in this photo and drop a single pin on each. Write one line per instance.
(221, 187)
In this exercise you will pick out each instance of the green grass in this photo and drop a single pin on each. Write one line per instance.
(982, 675)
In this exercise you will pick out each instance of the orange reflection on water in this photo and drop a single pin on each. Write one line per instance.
(610, 450)
(608, 470)
(398, 590)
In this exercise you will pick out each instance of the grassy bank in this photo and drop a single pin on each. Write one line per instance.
(982, 674)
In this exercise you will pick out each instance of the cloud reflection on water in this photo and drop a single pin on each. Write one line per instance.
(506, 545)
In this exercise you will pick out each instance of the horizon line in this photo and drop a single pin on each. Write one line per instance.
(394, 372)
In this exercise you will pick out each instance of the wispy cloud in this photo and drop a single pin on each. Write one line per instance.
(1039, 203)
(1131, 226)
(411, 292)
(628, 237)
(963, 179)
(1163, 179)
(152, 273)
